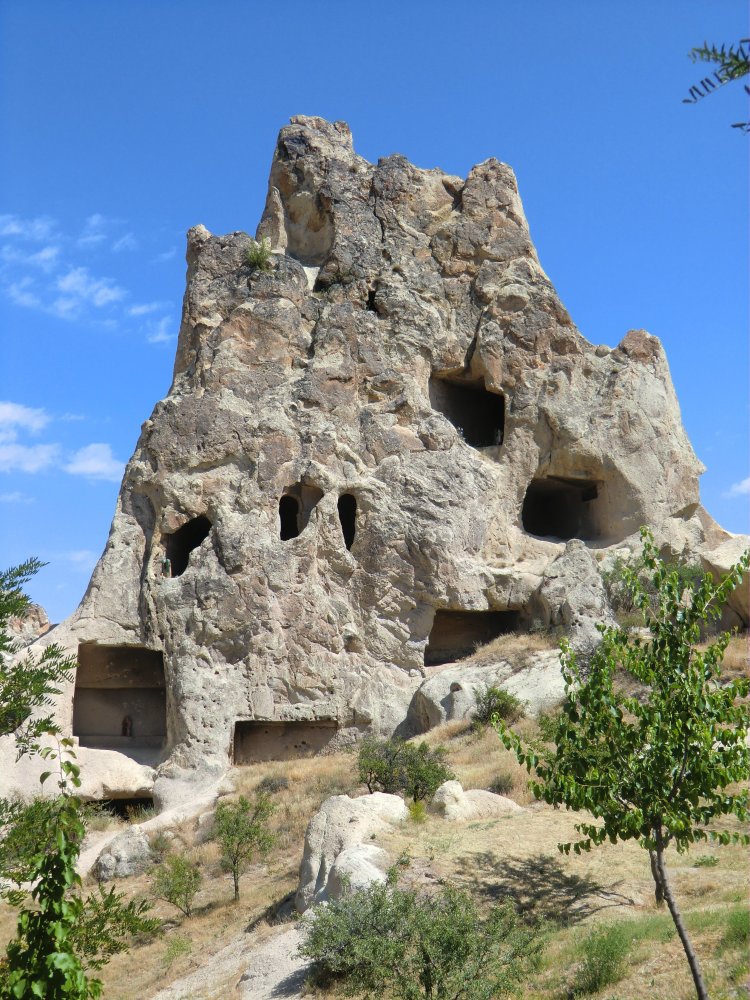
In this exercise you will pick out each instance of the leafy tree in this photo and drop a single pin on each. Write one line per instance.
(661, 769)
(395, 765)
(62, 935)
(731, 62)
(384, 940)
(177, 881)
(241, 831)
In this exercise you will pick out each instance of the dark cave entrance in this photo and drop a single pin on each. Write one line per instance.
(295, 506)
(183, 541)
(457, 634)
(347, 508)
(474, 410)
(561, 508)
(120, 700)
(125, 808)
(260, 741)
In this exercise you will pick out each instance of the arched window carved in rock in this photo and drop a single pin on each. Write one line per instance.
(295, 506)
(477, 412)
(181, 543)
(560, 508)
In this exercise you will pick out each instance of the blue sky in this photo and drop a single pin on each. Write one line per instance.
(122, 125)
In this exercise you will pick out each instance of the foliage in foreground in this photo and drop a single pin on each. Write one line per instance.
(397, 766)
(384, 940)
(655, 770)
(62, 936)
(732, 63)
(240, 828)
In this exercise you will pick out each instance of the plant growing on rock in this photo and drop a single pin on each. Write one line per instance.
(659, 769)
(493, 701)
(385, 940)
(259, 254)
(240, 828)
(397, 766)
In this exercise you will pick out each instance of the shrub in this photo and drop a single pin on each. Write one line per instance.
(176, 947)
(502, 784)
(176, 881)
(417, 812)
(258, 254)
(384, 940)
(605, 950)
(737, 929)
(494, 702)
(396, 766)
(706, 861)
(270, 785)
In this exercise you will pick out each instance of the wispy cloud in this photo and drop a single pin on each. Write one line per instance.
(160, 258)
(16, 416)
(19, 292)
(161, 331)
(126, 242)
(37, 229)
(96, 461)
(740, 489)
(27, 458)
(79, 284)
(46, 258)
(94, 231)
(144, 308)
(82, 559)
(16, 497)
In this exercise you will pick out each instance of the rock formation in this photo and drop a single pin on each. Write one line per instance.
(372, 457)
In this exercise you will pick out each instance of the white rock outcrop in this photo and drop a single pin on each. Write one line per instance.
(338, 845)
(389, 446)
(456, 804)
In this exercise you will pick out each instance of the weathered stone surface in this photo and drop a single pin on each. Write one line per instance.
(406, 349)
(450, 693)
(342, 823)
(456, 804)
(128, 854)
(356, 868)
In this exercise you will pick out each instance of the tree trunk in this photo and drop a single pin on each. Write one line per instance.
(692, 958)
(658, 888)
(236, 878)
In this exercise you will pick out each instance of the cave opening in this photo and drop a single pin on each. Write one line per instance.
(182, 542)
(127, 808)
(262, 741)
(457, 634)
(477, 412)
(347, 508)
(119, 701)
(561, 508)
(295, 507)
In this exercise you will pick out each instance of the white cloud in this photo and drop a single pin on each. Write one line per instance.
(15, 416)
(15, 497)
(27, 458)
(38, 229)
(46, 258)
(161, 331)
(741, 489)
(80, 286)
(83, 559)
(126, 242)
(144, 308)
(95, 461)
(19, 293)
(94, 231)
(160, 258)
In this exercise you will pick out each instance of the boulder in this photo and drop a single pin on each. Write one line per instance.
(342, 823)
(355, 868)
(456, 804)
(128, 854)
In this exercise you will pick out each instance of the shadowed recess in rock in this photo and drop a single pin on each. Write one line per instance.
(347, 507)
(561, 508)
(120, 700)
(124, 808)
(295, 507)
(180, 544)
(456, 634)
(258, 741)
(475, 411)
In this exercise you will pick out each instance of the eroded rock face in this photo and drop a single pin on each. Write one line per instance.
(397, 418)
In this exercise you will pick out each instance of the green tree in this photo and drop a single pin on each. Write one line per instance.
(660, 769)
(395, 765)
(62, 935)
(240, 828)
(177, 881)
(387, 941)
(732, 62)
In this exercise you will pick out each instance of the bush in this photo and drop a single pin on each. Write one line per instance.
(605, 950)
(384, 940)
(396, 766)
(271, 785)
(502, 784)
(737, 929)
(176, 881)
(417, 812)
(240, 831)
(493, 701)
(258, 254)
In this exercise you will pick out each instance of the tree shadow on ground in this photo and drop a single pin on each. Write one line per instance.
(539, 887)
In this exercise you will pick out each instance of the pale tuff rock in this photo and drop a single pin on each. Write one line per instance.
(128, 854)
(371, 457)
(339, 830)
(456, 804)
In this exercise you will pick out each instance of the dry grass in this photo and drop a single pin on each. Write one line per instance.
(516, 647)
